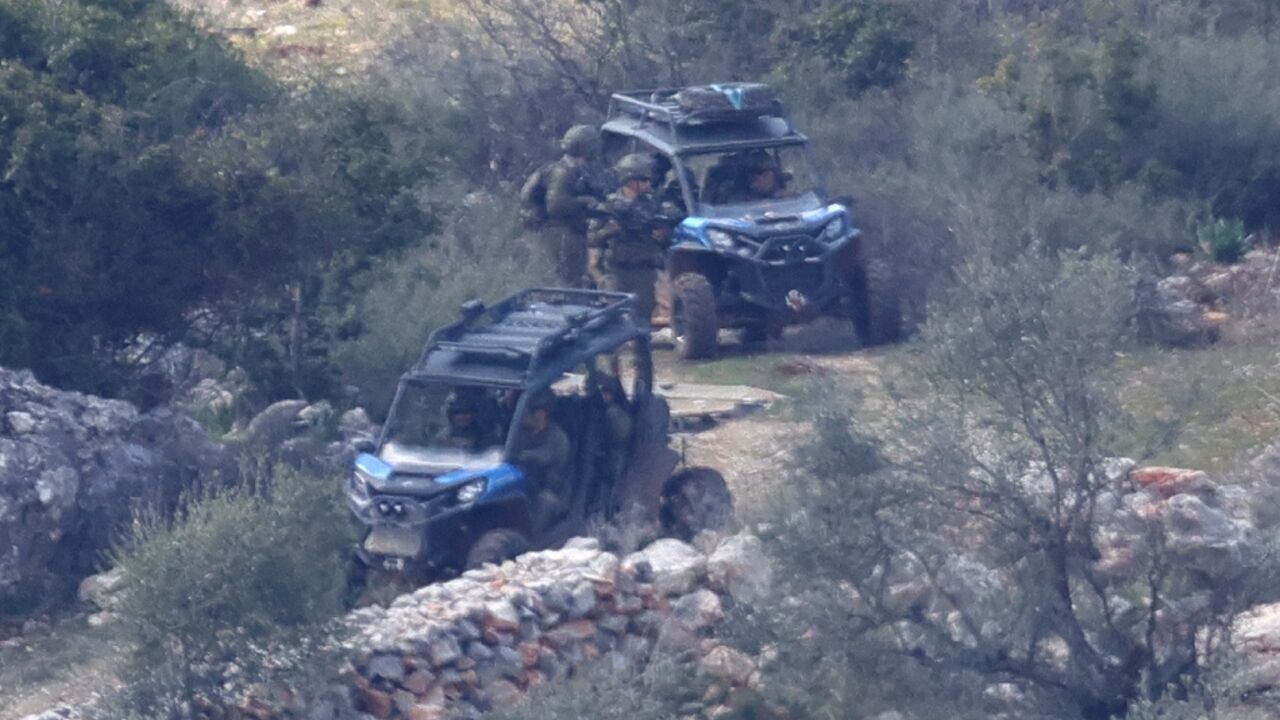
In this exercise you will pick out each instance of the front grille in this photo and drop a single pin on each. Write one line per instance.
(791, 249)
(806, 278)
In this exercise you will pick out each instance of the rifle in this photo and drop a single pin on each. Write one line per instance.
(635, 217)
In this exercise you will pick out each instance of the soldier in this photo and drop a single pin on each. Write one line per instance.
(570, 198)
(627, 244)
(541, 449)
(617, 415)
(464, 429)
(764, 179)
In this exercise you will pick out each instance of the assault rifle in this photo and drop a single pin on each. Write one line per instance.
(635, 217)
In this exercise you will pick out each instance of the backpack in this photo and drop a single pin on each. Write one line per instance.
(533, 197)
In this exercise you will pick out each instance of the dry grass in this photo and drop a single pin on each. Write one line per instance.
(73, 664)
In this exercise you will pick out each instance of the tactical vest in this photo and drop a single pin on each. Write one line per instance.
(634, 247)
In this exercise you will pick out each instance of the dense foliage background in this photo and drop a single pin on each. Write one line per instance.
(159, 186)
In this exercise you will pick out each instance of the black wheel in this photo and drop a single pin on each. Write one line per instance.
(496, 547)
(357, 582)
(694, 500)
(877, 316)
(694, 319)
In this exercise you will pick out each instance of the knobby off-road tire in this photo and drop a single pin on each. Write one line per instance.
(696, 499)
(694, 319)
(877, 312)
(496, 547)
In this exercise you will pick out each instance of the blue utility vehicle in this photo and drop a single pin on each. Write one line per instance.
(432, 505)
(752, 252)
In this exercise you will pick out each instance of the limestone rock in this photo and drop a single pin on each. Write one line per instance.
(674, 565)
(72, 468)
(727, 664)
(698, 610)
(740, 566)
(102, 590)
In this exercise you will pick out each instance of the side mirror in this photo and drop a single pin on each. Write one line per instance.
(471, 310)
(364, 445)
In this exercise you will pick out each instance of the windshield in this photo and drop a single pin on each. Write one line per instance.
(457, 421)
(740, 178)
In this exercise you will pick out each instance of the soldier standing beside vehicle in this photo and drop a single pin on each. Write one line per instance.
(557, 200)
(627, 245)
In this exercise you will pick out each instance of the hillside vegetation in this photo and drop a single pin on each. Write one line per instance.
(304, 189)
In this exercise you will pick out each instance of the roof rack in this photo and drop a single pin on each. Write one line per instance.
(660, 105)
(523, 332)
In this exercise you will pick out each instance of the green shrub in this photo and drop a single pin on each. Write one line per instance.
(1223, 240)
(401, 299)
(234, 577)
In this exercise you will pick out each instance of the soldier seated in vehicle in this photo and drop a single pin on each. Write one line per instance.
(541, 450)
(762, 178)
(464, 429)
(617, 415)
(723, 179)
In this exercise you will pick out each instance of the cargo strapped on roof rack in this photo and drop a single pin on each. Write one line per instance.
(706, 118)
(700, 104)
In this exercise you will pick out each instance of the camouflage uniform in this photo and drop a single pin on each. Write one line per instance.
(630, 255)
(618, 421)
(544, 456)
(571, 197)
(569, 200)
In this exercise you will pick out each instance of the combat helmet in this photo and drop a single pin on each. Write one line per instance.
(581, 141)
(636, 166)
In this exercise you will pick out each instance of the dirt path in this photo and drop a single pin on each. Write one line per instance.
(756, 452)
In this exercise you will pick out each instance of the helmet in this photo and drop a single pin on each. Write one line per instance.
(581, 141)
(758, 161)
(636, 166)
(461, 403)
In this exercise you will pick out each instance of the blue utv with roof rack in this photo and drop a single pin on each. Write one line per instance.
(744, 257)
(430, 507)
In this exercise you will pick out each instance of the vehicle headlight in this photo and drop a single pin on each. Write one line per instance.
(471, 492)
(722, 239)
(835, 229)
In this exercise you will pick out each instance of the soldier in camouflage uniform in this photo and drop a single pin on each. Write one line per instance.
(570, 198)
(625, 251)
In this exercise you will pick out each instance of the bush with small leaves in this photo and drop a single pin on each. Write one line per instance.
(234, 577)
(1223, 240)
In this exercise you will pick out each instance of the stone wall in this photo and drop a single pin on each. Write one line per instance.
(479, 642)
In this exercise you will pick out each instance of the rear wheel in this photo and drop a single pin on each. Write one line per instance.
(694, 500)
(496, 547)
(694, 319)
(877, 316)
